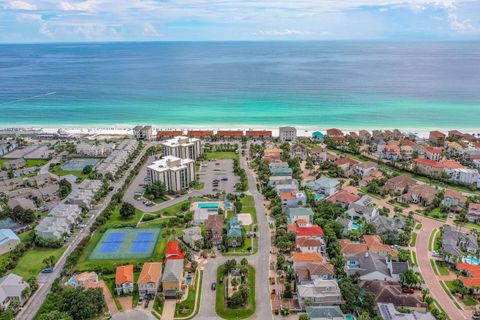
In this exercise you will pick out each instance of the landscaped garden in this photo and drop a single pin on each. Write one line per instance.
(235, 293)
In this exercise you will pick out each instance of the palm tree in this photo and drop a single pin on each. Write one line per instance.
(425, 292)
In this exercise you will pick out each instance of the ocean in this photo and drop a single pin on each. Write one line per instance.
(242, 84)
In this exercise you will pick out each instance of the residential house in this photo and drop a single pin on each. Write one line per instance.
(310, 271)
(436, 138)
(398, 185)
(308, 238)
(374, 266)
(8, 240)
(429, 167)
(363, 168)
(464, 176)
(172, 278)
(39, 180)
(363, 207)
(454, 148)
(173, 251)
(473, 214)
(272, 154)
(423, 194)
(15, 164)
(291, 199)
(455, 201)
(49, 191)
(299, 151)
(286, 185)
(319, 293)
(23, 203)
(364, 136)
(85, 280)
(124, 279)
(345, 163)
(12, 288)
(302, 258)
(319, 154)
(294, 214)
(317, 135)
(391, 292)
(286, 173)
(149, 279)
(192, 236)
(344, 198)
(235, 232)
(433, 153)
(388, 312)
(406, 152)
(324, 185)
(325, 313)
(455, 244)
(371, 243)
(386, 224)
(214, 224)
(334, 132)
(95, 150)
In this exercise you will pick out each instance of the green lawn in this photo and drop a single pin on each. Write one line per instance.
(199, 186)
(220, 303)
(418, 226)
(60, 172)
(172, 210)
(442, 268)
(413, 258)
(186, 307)
(414, 239)
(220, 155)
(35, 162)
(31, 263)
(116, 220)
(469, 302)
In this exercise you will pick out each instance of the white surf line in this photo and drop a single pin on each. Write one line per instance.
(28, 98)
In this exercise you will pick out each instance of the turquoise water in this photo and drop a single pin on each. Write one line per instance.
(319, 196)
(311, 84)
(471, 260)
(207, 205)
(356, 226)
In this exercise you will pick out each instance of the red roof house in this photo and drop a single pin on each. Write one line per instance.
(173, 252)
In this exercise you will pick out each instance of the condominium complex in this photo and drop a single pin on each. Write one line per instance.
(175, 173)
(182, 147)
(287, 134)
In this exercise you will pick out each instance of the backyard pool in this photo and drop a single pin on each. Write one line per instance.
(349, 317)
(471, 260)
(207, 205)
(319, 196)
(356, 226)
(188, 279)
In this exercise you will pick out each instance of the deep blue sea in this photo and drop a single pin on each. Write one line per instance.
(220, 84)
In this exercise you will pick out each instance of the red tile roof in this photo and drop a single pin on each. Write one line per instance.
(230, 133)
(437, 134)
(308, 242)
(151, 272)
(434, 149)
(452, 164)
(334, 132)
(259, 133)
(354, 135)
(313, 231)
(345, 160)
(344, 197)
(288, 196)
(470, 282)
(409, 143)
(428, 163)
(172, 133)
(200, 133)
(172, 251)
(124, 274)
(307, 257)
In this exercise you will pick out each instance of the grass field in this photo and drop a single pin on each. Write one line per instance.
(60, 172)
(31, 263)
(220, 303)
(413, 241)
(116, 220)
(35, 162)
(221, 155)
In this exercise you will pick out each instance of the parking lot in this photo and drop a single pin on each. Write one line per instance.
(218, 176)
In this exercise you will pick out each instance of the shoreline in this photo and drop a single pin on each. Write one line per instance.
(302, 131)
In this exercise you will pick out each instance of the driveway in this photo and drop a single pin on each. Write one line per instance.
(169, 309)
(112, 307)
(134, 315)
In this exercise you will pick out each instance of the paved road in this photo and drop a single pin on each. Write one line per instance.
(431, 279)
(29, 311)
(260, 261)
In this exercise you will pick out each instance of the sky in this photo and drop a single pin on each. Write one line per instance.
(25, 21)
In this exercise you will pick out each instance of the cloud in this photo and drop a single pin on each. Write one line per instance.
(281, 33)
(149, 29)
(20, 5)
(89, 6)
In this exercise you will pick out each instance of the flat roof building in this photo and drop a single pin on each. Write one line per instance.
(175, 173)
(182, 147)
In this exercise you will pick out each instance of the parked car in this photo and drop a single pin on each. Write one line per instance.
(225, 179)
(213, 286)
(408, 290)
(47, 270)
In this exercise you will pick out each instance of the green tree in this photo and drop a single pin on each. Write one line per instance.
(55, 315)
(127, 210)
(87, 170)
(65, 188)
(156, 190)
(304, 316)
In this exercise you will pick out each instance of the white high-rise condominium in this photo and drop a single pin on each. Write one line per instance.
(182, 147)
(175, 173)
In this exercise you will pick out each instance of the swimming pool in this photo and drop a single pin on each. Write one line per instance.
(471, 260)
(207, 205)
(356, 226)
(319, 196)
(349, 317)
(188, 279)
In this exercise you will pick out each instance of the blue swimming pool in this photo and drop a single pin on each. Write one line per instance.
(319, 196)
(356, 226)
(471, 260)
(188, 279)
(207, 205)
(349, 317)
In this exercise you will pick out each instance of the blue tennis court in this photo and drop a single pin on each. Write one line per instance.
(126, 244)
